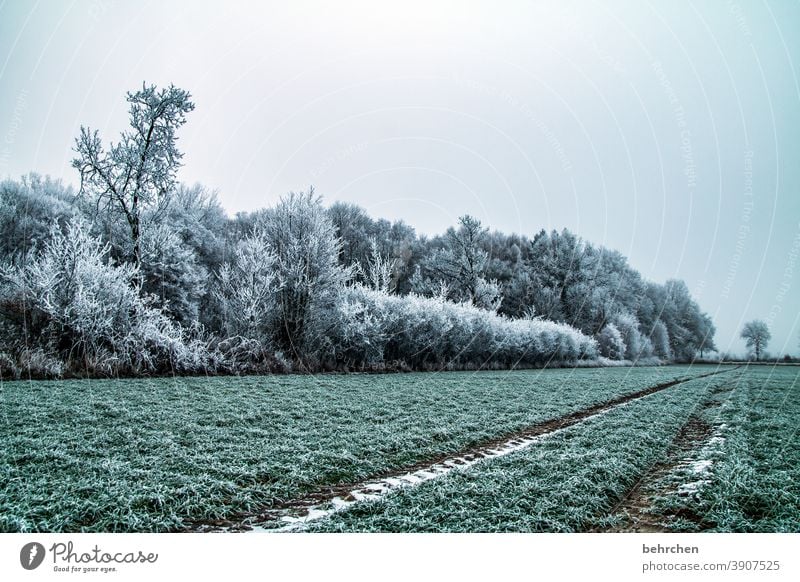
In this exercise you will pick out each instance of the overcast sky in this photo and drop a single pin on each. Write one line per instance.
(669, 131)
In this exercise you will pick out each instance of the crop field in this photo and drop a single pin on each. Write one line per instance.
(568, 482)
(740, 473)
(192, 453)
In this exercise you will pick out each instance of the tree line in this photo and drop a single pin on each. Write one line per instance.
(135, 273)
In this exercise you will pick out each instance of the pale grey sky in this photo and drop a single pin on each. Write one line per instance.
(667, 130)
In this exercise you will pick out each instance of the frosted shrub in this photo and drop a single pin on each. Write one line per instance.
(357, 333)
(379, 271)
(610, 342)
(307, 271)
(628, 327)
(28, 362)
(659, 337)
(83, 309)
(246, 289)
(371, 327)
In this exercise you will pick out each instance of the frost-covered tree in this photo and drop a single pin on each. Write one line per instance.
(635, 344)
(28, 210)
(756, 335)
(197, 216)
(690, 330)
(171, 273)
(356, 229)
(200, 225)
(705, 330)
(556, 265)
(137, 173)
(460, 264)
(379, 271)
(611, 343)
(246, 289)
(659, 336)
(308, 273)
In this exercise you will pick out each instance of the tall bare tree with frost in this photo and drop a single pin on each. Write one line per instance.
(139, 171)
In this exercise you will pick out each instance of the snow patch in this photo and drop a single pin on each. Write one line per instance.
(692, 487)
(704, 462)
(702, 466)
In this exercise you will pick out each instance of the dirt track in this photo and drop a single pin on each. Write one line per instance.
(634, 509)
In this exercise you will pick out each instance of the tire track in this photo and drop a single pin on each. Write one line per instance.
(324, 502)
(696, 435)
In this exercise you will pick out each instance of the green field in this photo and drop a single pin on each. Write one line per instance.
(152, 455)
(566, 483)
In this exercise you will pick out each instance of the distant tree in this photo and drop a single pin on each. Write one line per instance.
(756, 334)
(138, 172)
(198, 217)
(558, 270)
(690, 330)
(171, 273)
(705, 331)
(28, 210)
(356, 230)
(199, 224)
(628, 328)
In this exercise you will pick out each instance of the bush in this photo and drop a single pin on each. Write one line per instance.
(611, 343)
(246, 289)
(369, 328)
(307, 273)
(73, 305)
(241, 355)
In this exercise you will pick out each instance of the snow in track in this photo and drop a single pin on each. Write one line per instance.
(700, 467)
(375, 490)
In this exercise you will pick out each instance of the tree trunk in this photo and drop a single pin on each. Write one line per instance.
(137, 250)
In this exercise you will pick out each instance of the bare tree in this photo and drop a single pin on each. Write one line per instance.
(138, 172)
(757, 335)
(380, 270)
